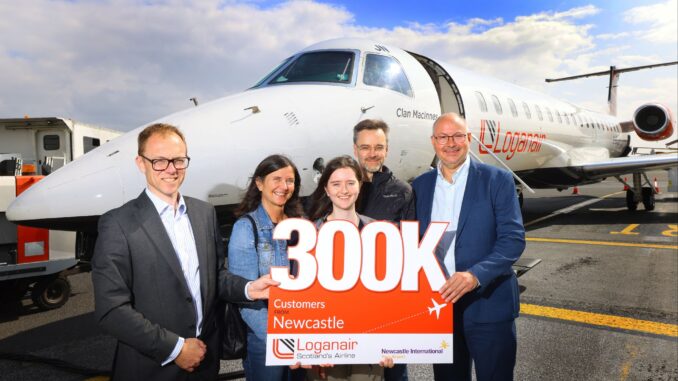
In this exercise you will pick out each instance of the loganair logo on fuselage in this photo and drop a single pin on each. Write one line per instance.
(507, 142)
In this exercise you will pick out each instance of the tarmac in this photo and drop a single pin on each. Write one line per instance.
(601, 305)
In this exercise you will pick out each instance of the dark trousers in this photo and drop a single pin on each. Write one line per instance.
(397, 373)
(490, 346)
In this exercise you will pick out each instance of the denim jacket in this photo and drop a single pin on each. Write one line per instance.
(249, 263)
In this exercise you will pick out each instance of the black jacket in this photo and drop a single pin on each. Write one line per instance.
(386, 198)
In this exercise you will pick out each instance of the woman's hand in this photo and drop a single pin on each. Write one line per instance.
(387, 362)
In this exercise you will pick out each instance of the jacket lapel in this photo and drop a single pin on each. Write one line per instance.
(200, 236)
(427, 201)
(470, 194)
(154, 228)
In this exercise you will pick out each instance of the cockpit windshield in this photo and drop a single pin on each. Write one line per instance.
(325, 66)
(386, 72)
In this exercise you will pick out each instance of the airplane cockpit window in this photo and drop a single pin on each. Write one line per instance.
(497, 105)
(560, 119)
(512, 105)
(325, 66)
(481, 101)
(567, 119)
(386, 72)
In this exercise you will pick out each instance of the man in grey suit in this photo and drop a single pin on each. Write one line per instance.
(158, 271)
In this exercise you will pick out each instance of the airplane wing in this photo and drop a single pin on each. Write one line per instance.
(625, 165)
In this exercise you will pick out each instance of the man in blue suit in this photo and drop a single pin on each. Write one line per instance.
(484, 237)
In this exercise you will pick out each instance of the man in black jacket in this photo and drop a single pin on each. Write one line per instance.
(382, 196)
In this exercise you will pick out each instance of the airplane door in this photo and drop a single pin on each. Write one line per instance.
(53, 148)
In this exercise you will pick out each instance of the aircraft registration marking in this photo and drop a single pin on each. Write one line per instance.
(603, 320)
(602, 243)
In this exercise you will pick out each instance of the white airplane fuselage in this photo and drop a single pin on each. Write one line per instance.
(309, 120)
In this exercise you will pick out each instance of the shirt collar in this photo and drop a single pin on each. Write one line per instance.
(161, 206)
(463, 169)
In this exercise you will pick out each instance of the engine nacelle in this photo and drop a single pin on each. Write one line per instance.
(653, 121)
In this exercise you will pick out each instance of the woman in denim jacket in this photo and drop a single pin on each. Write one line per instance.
(272, 196)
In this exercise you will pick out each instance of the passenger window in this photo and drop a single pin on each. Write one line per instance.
(497, 105)
(512, 106)
(333, 67)
(539, 114)
(548, 113)
(526, 108)
(481, 101)
(89, 144)
(386, 72)
(51, 142)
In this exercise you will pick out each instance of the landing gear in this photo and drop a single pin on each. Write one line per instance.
(637, 193)
(648, 198)
(631, 202)
(51, 292)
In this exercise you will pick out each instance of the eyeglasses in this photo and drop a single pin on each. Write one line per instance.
(163, 164)
(457, 138)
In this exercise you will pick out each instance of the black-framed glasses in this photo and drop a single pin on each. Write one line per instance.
(443, 139)
(163, 164)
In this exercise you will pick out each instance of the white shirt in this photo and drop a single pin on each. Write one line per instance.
(447, 199)
(179, 230)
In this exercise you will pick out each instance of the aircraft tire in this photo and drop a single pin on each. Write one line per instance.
(648, 198)
(50, 293)
(631, 204)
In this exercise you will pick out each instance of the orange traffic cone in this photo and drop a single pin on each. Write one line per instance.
(575, 190)
(656, 186)
(626, 187)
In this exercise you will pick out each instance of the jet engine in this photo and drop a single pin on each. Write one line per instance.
(653, 122)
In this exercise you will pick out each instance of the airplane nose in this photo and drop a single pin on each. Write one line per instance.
(62, 199)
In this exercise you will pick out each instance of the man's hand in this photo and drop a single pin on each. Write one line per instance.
(458, 285)
(192, 353)
(259, 288)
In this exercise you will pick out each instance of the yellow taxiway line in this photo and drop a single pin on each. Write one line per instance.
(603, 320)
(603, 243)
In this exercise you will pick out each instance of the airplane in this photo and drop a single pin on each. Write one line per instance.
(436, 307)
(306, 107)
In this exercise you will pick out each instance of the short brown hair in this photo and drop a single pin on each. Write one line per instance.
(163, 129)
(370, 124)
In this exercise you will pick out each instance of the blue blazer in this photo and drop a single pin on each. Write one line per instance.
(490, 238)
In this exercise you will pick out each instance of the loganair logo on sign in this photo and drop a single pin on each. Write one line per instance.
(283, 348)
(507, 142)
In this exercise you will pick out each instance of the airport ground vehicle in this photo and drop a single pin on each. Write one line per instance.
(38, 259)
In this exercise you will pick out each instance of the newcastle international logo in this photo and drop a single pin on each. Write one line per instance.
(283, 348)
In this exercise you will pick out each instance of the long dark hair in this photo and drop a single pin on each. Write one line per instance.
(252, 197)
(320, 203)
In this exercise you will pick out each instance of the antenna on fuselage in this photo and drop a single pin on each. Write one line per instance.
(194, 100)
(614, 78)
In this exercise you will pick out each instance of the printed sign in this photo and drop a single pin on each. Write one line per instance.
(359, 296)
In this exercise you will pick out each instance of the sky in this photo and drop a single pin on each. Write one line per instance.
(123, 63)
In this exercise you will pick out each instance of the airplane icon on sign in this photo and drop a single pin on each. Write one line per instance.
(436, 307)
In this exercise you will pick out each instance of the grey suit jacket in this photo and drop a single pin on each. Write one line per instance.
(141, 295)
